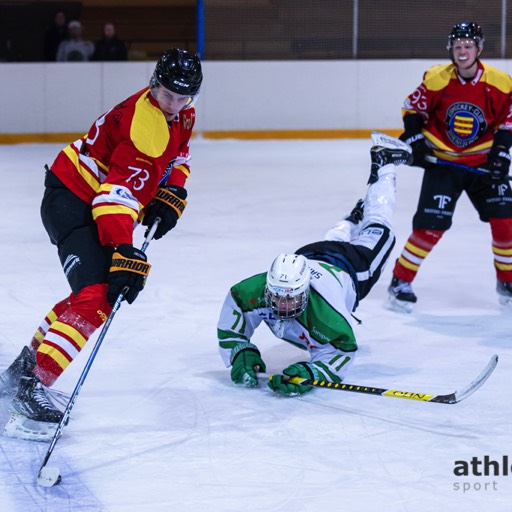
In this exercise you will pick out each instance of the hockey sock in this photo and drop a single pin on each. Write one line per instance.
(501, 230)
(416, 249)
(69, 333)
(54, 313)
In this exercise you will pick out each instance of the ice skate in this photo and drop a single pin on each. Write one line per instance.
(387, 150)
(401, 298)
(504, 291)
(349, 226)
(357, 213)
(34, 417)
(22, 365)
(394, 147)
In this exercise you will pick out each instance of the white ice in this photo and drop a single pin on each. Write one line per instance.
(158, 425)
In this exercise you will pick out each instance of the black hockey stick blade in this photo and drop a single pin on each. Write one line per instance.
(451, 398)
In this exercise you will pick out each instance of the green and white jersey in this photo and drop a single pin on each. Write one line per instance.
(324, 328)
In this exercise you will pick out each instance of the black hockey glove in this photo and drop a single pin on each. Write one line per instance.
(168, 203)
(420, 150)
(129, 269)
(498, 162)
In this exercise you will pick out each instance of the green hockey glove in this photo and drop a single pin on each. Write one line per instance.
(245, 363)
(281, 384)
(310, 371)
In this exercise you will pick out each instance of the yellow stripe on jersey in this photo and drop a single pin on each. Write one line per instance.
(92, 180)
(438, 76)
(497, 78)
(149, 130)
(183, 169)
(114, 209)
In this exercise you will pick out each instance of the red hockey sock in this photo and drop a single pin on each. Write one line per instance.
(54, 313)
(416, 249)
(501, 230)
(69, 333)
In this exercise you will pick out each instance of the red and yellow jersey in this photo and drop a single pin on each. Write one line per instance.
(127, 154)
(460, 117)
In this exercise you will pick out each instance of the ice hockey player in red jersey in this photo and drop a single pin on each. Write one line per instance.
(460, 117)
(131, 167)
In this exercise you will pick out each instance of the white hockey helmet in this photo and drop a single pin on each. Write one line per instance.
(287, 289)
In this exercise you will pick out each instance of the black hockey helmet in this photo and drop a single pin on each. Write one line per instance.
(465, 30)
(179, 71)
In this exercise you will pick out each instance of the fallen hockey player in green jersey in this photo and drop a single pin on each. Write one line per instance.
(307, 298)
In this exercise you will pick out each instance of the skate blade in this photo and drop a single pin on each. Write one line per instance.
(21, 427)
(399, 306)
(386, 141)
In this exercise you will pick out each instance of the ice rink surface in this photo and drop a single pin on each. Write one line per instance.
(159, 427)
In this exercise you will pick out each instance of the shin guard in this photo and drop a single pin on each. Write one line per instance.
(69, 333)
(53, 314)
(416, 249)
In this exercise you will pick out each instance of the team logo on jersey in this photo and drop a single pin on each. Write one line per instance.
(70, 263)
(121, 192)
(187, 122)
(466, 123)
(442, 201)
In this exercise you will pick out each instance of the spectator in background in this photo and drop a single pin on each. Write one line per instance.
(54, 35)
(109, 47)
(75, 48)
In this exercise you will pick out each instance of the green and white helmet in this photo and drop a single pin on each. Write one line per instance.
(287, 289)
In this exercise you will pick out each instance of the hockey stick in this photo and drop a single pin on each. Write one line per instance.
(50, 476)
(450, 398)
(476, 170)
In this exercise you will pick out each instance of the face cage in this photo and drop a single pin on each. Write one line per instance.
(286, 308)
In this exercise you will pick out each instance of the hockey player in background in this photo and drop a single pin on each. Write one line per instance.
(131, 167)
(307, 298)
(461, 113)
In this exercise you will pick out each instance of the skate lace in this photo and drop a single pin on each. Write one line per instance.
(40, 397)
(403, 287)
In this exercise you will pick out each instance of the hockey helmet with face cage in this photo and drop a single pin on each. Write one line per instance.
(287, 289)
(466, 30)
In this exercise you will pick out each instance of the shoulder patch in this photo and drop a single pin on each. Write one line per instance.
(188, 118)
